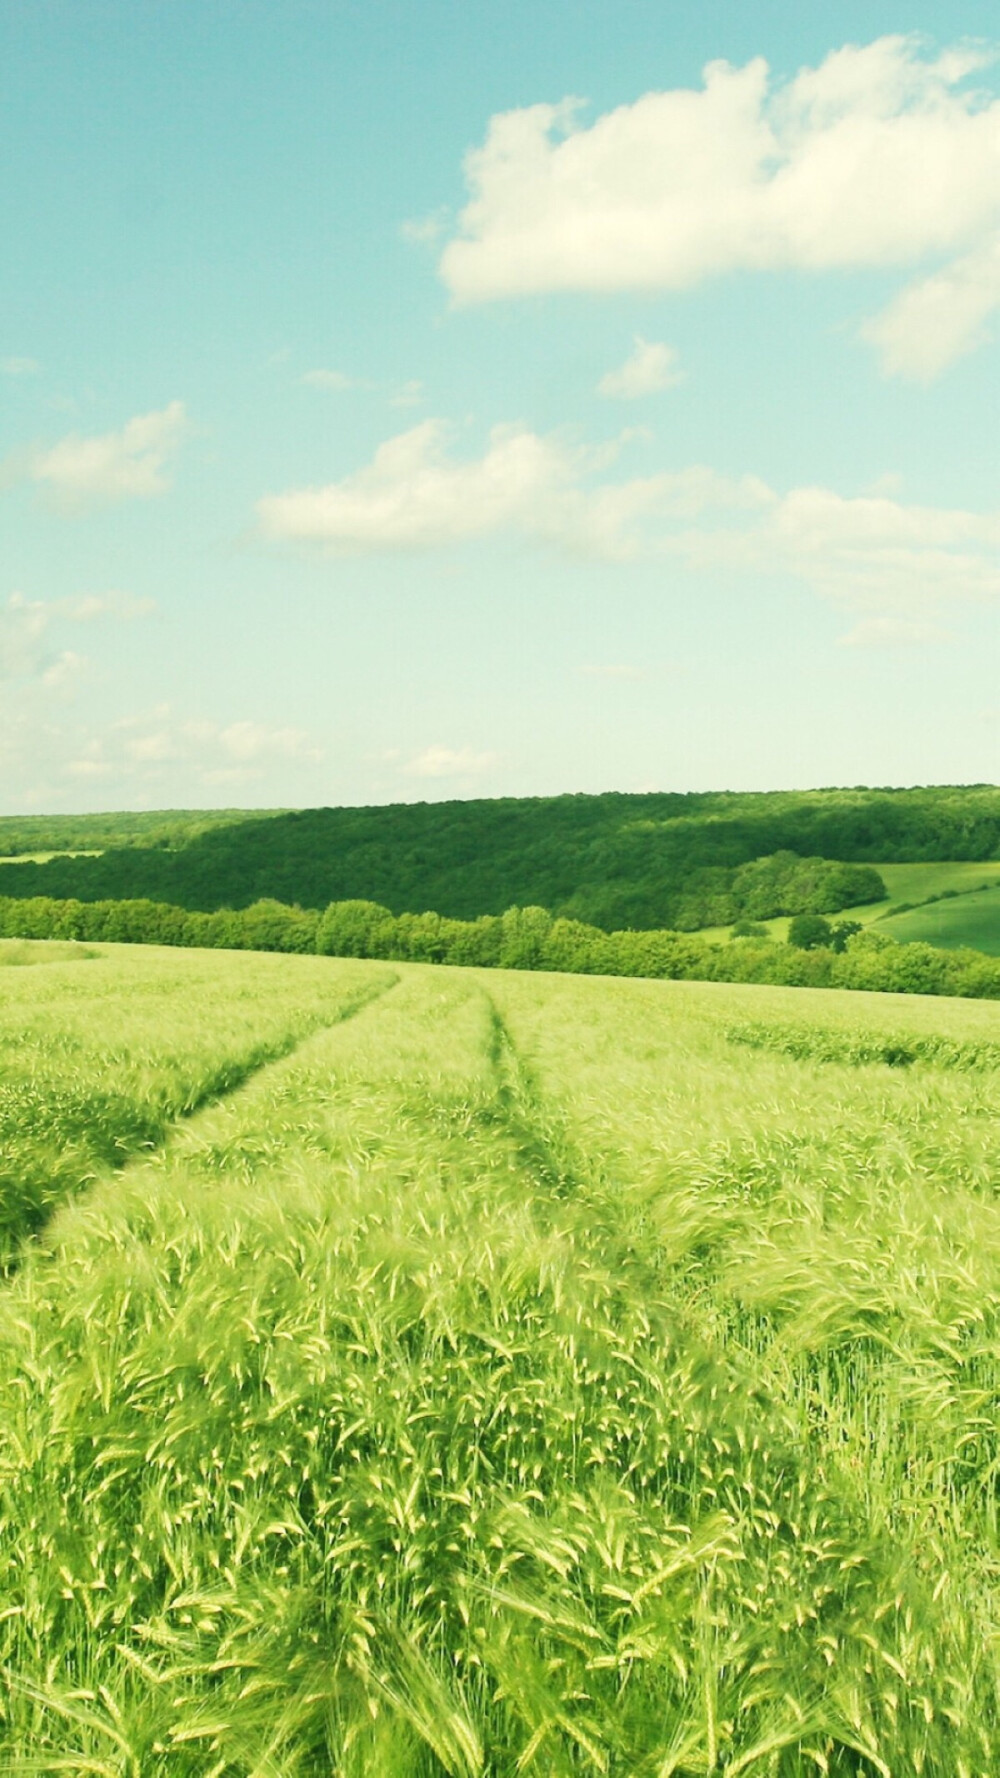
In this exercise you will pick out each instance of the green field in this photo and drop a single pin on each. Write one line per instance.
(967, 919)
(44, 857)
(915, 884)
(499, 1373)
(918, 882)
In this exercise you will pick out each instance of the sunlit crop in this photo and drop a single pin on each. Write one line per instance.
(526, 1374)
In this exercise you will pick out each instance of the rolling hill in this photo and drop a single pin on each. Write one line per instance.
(646, 861)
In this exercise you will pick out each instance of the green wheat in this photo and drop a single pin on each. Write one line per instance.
(520, 1376)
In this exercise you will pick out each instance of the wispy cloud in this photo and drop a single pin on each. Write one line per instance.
(651, 367)
(940, 318)
(449, 762)
(870, 551)
(19, 367)
(425, 230)
(126, 465)
(67, 667)
(414, 496)
(28, 626)
(748, 173)
(85, 608)
(408, 394)
(23, 624)
(337, 382)
(211, 753)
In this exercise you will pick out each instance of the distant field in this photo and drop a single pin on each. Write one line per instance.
(972, 919)
(914, 883)
(520, 1374)
(43, 857)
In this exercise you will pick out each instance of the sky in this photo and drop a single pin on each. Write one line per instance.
(404, 402)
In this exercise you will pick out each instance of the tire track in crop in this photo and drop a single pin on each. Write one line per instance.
(580, 1192)
(223, 1084)
(543, 1148)
(238, 1073)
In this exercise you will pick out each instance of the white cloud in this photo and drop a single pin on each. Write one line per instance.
(247, 741)
(19, 367)
(449, 762)
(413, 496)
(86, 767)
(153, 747)
(64, 669)
(872, 552)
(868, 554)
(125, 465)
(86, 607)
(424, 229)
(941, 318)
(407, 394)
(23, 624)
(881, 156)
(155, 744)
(652, 366)
(26, 626)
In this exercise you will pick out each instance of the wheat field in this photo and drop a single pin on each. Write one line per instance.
(408, 1371)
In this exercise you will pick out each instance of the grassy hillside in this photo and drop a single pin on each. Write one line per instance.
(915, 883)
(643, 861)
(965, 919)
(911, 884)
(525, 1374)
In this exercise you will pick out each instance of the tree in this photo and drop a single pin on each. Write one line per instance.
(840, 934)
(807, 931)
(352, 928)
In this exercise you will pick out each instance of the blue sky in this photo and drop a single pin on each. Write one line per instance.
(462, 399)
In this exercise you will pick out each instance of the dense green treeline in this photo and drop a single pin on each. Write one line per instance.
(266, 926)
(613, 861)
(21, 835)
(521, 938)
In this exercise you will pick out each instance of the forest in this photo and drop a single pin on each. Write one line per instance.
(613, 861)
